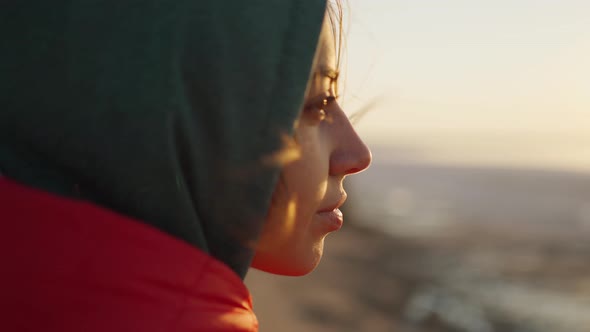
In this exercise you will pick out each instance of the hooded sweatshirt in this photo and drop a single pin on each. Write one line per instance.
(158, 116)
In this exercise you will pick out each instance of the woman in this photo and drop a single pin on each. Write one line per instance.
(151, 153)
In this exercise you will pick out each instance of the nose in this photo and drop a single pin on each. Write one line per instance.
(350, 154)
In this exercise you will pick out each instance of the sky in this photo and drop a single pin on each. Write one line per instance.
(493, 82)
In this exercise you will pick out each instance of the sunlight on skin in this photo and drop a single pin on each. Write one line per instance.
(290, 215)
(287, 225)
(290, 152)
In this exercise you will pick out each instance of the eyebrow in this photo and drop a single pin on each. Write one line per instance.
(329, 73)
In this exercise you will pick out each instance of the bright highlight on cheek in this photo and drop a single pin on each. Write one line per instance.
(290, 216)
(290, 152)
(280, 227)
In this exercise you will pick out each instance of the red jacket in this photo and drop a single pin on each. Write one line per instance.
(70, 266)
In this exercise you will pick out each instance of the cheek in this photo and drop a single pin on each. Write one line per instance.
(290, 242)
(289, 223)
(307, 178)
(309, 175)
(303, 183)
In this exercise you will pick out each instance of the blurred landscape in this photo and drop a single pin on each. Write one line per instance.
(475, 215)
(431, 247)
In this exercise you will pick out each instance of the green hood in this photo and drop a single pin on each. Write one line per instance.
(160, 110)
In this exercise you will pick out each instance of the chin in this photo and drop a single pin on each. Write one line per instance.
(293, 266)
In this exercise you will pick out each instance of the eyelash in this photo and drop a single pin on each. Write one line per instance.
(320, 106)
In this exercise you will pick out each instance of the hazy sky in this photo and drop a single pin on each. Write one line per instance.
(486, 81)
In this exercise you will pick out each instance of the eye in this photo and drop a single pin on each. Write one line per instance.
(317, 107)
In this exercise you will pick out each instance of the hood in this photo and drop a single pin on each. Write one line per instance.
(165, 111)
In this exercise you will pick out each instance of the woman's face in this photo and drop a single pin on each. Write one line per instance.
(305, 203)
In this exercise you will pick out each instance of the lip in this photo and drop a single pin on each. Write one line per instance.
(331, 215)
(333, 220)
